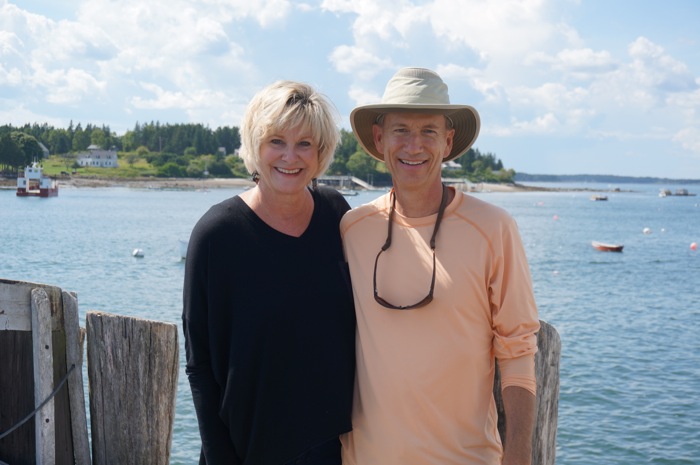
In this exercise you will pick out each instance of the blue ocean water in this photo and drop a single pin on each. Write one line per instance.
(630, 374)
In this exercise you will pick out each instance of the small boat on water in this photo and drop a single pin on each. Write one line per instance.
(348, 192)
(684, 193)
(34, 183)
(678, 193)
(599, 198)
(603, 247)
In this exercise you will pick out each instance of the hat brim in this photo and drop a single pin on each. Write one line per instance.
(465, 118)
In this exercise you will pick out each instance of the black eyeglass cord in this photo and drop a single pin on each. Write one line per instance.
(426, 300)
(438, 220)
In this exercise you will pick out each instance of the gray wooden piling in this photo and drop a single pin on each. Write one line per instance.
(45, 429)
(132, 369)
(544, 438)
(74, 356)
(39, 351)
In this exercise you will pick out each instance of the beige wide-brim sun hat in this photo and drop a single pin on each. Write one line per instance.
(417, 90)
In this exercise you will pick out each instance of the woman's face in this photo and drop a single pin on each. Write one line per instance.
(288, 160)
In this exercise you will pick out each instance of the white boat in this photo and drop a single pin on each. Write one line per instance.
(138, 253)
(34, 183)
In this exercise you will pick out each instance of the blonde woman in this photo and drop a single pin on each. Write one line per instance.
(268, 315)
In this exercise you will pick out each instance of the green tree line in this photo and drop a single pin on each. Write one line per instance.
(195, 150)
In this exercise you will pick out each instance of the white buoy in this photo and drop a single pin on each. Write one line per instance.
(138, 253)
(646, 231)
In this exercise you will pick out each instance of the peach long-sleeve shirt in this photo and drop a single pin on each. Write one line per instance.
(424, 382)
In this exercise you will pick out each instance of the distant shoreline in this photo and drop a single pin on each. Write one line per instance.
(143, 183)
(80, 182)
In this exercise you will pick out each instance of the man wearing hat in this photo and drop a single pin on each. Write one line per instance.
(442, 289)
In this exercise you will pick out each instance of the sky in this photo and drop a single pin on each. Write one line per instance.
(561, 86)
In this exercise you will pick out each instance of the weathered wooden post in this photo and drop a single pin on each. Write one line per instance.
(42, 403)
(133, 368)
(544, 439)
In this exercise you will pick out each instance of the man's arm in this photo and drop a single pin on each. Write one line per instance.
(519, 407)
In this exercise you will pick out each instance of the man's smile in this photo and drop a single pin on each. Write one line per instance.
(412, 163)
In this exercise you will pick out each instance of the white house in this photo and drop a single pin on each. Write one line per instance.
(96, 156)
(451, 166)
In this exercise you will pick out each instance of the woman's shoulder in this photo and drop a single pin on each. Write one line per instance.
(219, 215)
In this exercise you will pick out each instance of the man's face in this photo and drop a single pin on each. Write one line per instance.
(414, 146)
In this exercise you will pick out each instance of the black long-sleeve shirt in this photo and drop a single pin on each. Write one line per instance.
(269, 330)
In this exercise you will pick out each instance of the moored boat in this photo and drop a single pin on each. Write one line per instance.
(683, 193)
(34, 183)
(602, 246)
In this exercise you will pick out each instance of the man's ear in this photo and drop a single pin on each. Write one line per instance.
(450, 143)
(378, 135)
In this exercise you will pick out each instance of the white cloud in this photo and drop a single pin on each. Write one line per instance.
(542, 124)
(359, 62)
(689, 139)
(509, 29)
(10, 44)
(656, 69)
(164, 99)
(11, 77)
(362, 96)
(67, 86)
(18, 115)
(583, 63)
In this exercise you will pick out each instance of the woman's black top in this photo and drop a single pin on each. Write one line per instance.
(269, 330)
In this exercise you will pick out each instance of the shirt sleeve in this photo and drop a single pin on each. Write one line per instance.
(514, 312)
(518, 372)
(217, 447)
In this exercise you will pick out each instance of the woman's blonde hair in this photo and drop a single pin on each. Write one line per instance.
(284, 105)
